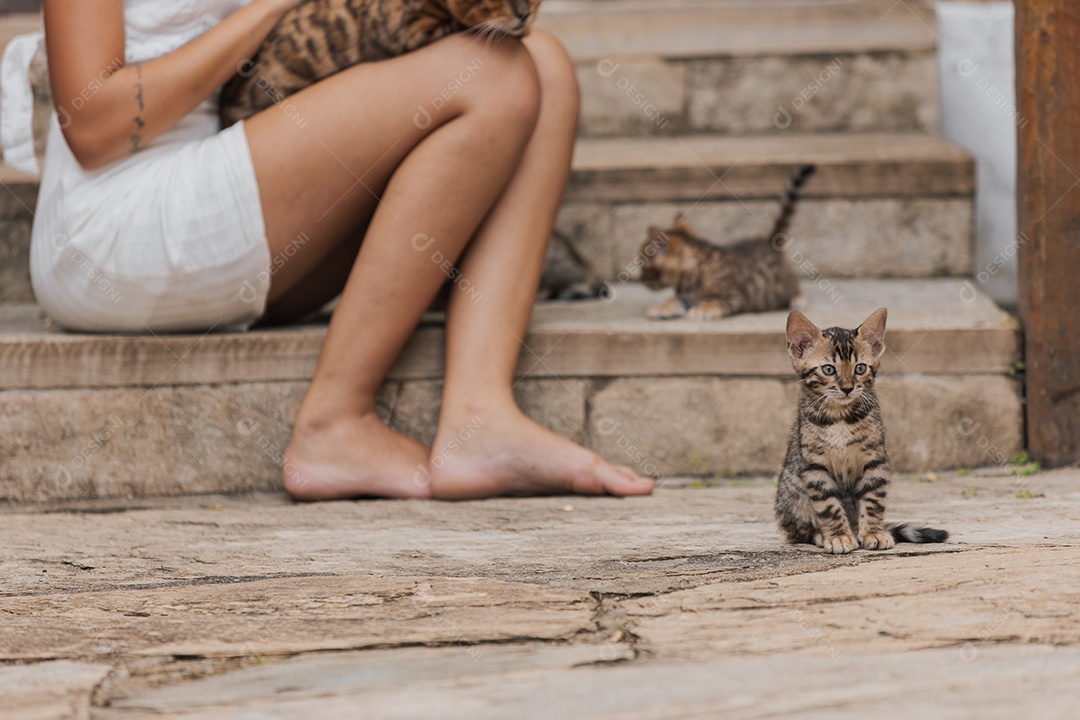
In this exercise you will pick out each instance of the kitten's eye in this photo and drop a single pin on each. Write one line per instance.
(860, 369)
(828, 369)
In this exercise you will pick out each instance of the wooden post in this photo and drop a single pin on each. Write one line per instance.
(1048, 90)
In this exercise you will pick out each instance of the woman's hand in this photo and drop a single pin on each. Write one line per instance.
(116, 109)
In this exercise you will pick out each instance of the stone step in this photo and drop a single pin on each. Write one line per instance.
(97, 416)
(880, 204)
(593, 29)
(746, 67)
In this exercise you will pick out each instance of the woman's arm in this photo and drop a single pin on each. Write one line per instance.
(116, 109)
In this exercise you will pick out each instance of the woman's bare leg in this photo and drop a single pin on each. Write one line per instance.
(505, 452)
(361, 156)
(339, 448)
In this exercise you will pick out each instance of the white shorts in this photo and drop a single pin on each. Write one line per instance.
(170, 239)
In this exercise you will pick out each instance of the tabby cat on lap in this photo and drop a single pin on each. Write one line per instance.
(318, 38)
(832, 488)
(712, 281)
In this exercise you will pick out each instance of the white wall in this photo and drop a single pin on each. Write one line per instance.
(978, 112)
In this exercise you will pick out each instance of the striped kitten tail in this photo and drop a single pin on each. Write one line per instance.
(788, 200)
(903, 532)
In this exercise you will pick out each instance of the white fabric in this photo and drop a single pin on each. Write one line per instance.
(168, 239)
(157, 27)
(17, 103)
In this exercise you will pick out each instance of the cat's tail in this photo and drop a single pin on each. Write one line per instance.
(903, 532)
(787, 204)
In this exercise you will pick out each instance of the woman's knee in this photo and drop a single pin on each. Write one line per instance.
(497, 77)
(555, 71)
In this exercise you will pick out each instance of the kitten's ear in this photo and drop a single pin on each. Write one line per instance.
(683, 225)
(872, 331)
(801, 335)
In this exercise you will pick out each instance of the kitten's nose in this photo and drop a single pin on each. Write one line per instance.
(847, 390)
(522, 8)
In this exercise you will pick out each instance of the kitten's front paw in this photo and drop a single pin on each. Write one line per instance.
(880, 540)
(705, 311)
(839, 544)
(666, 310)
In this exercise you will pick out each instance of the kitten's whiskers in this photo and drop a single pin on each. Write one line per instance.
(489, 30)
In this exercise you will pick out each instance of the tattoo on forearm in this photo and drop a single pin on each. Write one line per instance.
(136, 138)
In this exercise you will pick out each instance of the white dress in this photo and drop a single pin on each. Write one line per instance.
(169, 239)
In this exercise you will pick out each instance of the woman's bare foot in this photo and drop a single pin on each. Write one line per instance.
(356, 456)
(502, 452)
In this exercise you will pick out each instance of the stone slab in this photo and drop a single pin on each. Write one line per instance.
(834, 238)
(684, 28)
(684, 604)
(50, 690)
(680, 538)
(823, 93)
(632, 96)
(1008, 682)
(286, 615)
(202, 439)
(938, 326)
(193, 439)
(308, 677)
(136, 547)
(824, 616)
(697, 167)
(973, 423)
(128, 442)
(826, 93)
(558, 404)
(705, 426)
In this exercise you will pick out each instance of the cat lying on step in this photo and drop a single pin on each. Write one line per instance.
(832, 488)
(713, 281)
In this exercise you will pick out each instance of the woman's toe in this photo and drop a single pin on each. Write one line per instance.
(622, 480)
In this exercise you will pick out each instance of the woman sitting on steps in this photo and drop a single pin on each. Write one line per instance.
(335, 190)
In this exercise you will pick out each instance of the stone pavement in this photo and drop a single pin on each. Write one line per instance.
(686, 604)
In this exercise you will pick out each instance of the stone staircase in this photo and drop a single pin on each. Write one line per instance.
(701, 107)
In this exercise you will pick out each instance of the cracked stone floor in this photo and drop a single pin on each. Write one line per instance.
(683, 605)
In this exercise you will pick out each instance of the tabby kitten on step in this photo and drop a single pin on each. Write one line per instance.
(712, 281)
(832, 488)
(318, 38)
